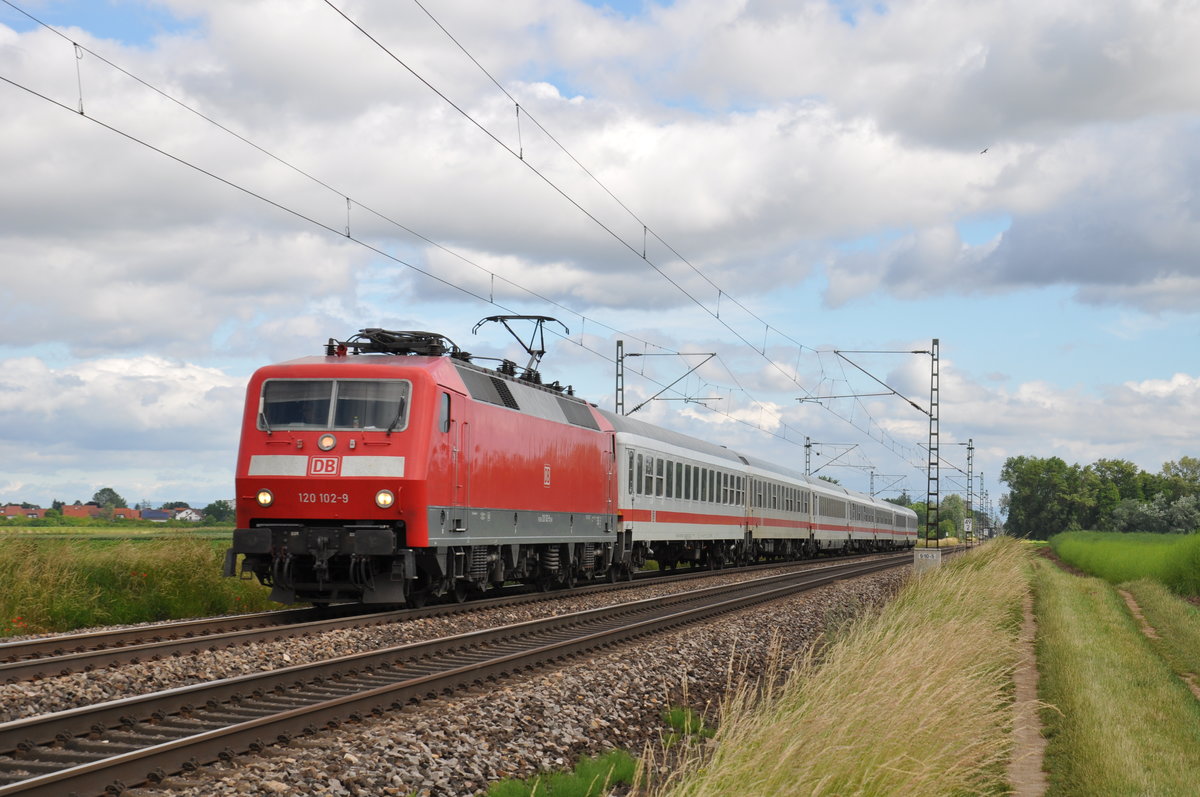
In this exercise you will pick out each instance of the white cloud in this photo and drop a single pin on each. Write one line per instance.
(771, 144)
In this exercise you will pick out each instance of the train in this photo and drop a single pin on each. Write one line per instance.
(395, 469)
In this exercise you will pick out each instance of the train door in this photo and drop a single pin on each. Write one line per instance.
(611, 484)
(754, 504)
(462, 471)
(457, 433)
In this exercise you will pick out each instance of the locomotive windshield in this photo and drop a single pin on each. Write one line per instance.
(334, 404)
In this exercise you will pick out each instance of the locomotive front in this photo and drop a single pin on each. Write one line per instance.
(332, 461)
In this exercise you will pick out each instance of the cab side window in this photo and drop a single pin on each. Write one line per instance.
(444, 416)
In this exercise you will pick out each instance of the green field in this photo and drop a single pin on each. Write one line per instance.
(118, 531)
(1119, 720)
(56, 584)
(1170, 559)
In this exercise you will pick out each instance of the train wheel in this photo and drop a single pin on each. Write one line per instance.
(460, 591)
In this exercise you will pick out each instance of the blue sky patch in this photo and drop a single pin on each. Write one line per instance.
(130, 22)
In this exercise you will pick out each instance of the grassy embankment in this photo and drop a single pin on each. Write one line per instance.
(915, 700)
(1121, 722)
(1170, 559)
(60, 585)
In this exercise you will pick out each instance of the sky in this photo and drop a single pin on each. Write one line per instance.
(190, 190)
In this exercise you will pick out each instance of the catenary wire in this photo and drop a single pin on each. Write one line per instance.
(385, 254)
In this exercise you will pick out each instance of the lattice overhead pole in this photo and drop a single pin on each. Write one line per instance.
(970, 486)
(932, 497)
(620, 377)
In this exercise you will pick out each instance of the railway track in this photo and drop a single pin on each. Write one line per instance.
(127, 742)
(60, 655)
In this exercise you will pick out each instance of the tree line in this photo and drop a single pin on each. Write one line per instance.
(1047, 496)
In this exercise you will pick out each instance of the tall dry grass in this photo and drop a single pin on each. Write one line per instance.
(914, 701)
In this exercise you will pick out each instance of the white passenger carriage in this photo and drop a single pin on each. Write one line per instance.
(681, 499)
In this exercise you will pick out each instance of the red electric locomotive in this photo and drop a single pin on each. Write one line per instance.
(393, 469)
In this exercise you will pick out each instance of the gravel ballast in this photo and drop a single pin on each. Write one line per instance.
(542, 721)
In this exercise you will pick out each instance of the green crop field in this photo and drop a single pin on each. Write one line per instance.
(1170, 559)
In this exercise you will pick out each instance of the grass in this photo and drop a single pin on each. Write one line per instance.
(1121, 723)
(592, 776)
(1176, 621)
(53, 585)
(686, 724)
(914, 700)
(1170, 559)
(118, 531)
(944, 542)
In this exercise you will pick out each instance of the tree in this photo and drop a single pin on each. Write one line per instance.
(1046, 496)
(1122, 474)
(952, 510)
(1182, 477)
(829, 479)
(176, 505)
(108, 498)
(219, 512)
(904, 499)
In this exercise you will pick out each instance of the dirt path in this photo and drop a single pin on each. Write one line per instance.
(1152, 633)
(1029, 747)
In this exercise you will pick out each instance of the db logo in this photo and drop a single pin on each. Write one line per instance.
(324, 466)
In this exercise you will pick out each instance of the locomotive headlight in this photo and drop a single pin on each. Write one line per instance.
(384, 499)
(264, 498)
(326, 442)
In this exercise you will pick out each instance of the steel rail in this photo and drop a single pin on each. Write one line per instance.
(419, 676)
(61, 655)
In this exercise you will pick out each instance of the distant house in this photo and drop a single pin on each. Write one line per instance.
(90, 509)
(188, 514)
(17, 511)
(123, 513)
(157, 515)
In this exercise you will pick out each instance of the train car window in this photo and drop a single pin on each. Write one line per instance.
(648, 481)
(702, 493)
(687, 482)
(371, 405)
(632, 480)
(670, 479)
(712, 486)
(658, 476)
(680, 484)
